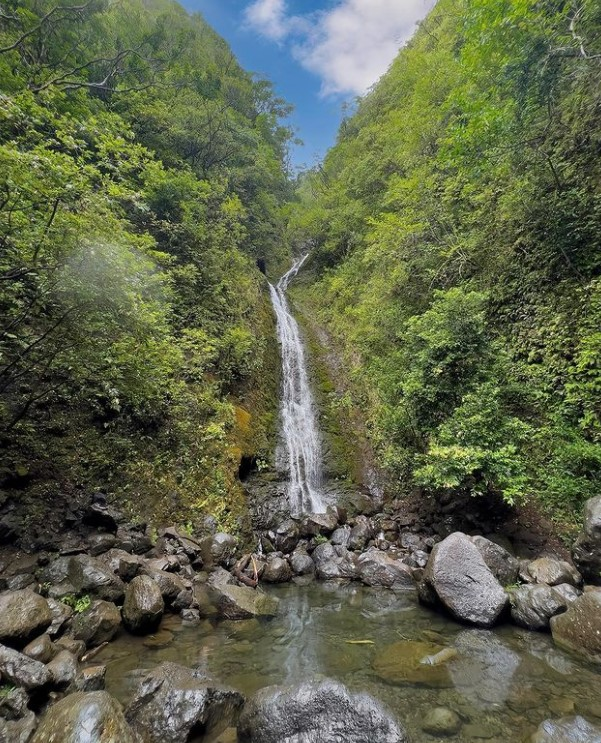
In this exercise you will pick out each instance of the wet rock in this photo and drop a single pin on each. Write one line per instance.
(170, 585)
(172, 701)
(319, 523)
(567, 730)
(61, 613)
(586, 552)
(82, 574)
(20, 670)
(441, 722)
(63, 669)
(532, 606)
(462, 582)
(122, 563)
(286, 536)
(185, 542)
(579, 628)
(341, 536)
(376, 568)
(241, 602)
(18, 731)
(409, 662)
(568, 592)
(91, 678)
(98, 544)
(183, 600)
(19, 582)
(133, 539)
(40, 649)
(94, 717)
(301, 563)
(553, 572)
(277, 570)
(218, 549)
(361, 533)
(500, 562)
(101, 516)
(334, 563)
(143, 606)
(96, 625)
(23, 616)
(14, 704)
(316, 712)
(191, 616)
(75, 647)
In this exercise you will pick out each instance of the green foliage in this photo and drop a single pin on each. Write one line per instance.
(142, 172)
(456, 228)
(79, 604)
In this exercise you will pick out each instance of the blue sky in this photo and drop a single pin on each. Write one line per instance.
(320, 54)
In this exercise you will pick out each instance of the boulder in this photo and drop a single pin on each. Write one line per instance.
(334, 563)
(316, 712)
(20, 670)
(361, 533)
(61, 613)
(63, 669)
(218, 549)
(567, 730)
(98, 544)
(121, 563)
(586, 552)
(170, 585)
(90, 678)
(286, 536)
(441, 722)
(40, 649)
(18, 731)
(241, 602)
(277, 570)
(532, 606)
(23, 616)
(579, 628)
(301, 563)
(501, 563)
(82, 574)
(462, 582)
(144, 606)
(97, 624)
(553, 572)
(376, 568)
(101, 516)
(319, 523)
(172, 701)
(341, 537)
(94, 717)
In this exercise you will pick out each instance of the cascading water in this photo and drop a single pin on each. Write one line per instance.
(299, 424)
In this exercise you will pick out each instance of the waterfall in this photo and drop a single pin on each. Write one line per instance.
(299, 425)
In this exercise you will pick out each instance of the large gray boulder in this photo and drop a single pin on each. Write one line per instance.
(82, 574)
(144, 606)
(241, 602)
(301, 563)
(172, 701)
(586, 552)
(316, 712)
(532, 606)
(277, 570)
(552, 572)
(503, 565)
(97, 624)
(22, 671)
(23, 616)
(579, 628)
(218, 549)
(567, 730)
(377, 568)
(286, 537)
(457, 578)
(95, 717)
(334, 562)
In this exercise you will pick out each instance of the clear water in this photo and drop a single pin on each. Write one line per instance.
(300, 432)
(504, 683)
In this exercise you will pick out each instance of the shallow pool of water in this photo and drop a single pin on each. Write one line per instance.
(503, 684)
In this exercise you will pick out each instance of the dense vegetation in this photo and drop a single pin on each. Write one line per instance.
(456, 228)
(142, 173)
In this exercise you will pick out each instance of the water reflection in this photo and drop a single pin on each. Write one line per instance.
(504, 683)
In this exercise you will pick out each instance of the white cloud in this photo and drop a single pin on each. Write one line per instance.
(349, 46)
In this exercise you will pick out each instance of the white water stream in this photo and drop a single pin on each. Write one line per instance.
(299, 423)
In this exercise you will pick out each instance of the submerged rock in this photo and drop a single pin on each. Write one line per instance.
(95, 717)
(316, 712)
(172, 701)
(441, 722)
(567, 730)
(144, 606)
(579, 628)
(414, 663)
(460, 580)
(23, 616)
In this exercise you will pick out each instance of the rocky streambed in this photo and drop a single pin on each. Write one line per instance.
(336, 629)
